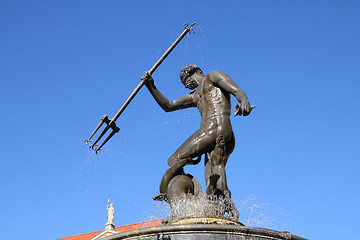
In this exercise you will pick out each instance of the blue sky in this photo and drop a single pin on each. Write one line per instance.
(63, 64)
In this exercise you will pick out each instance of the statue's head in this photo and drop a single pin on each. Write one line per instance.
(186, 73)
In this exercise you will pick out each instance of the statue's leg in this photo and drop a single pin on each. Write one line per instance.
(215, 163)
(200, 142)
(231, 208)
(211, 184)
(215, 174)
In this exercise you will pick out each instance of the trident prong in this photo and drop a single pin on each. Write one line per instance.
(190, 28)
(93, 145)
(97, 149)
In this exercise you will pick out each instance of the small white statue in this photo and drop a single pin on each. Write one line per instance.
(110, 213)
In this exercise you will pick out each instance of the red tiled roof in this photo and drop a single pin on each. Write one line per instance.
(86, 236)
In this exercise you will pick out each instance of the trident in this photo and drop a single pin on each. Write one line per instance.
(110, 123)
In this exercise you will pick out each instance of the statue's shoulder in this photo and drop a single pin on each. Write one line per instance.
(217, 75)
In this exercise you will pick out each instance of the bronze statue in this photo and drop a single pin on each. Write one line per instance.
(215, 138)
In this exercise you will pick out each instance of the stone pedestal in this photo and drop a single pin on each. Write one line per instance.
(203, 228)
(109, 226)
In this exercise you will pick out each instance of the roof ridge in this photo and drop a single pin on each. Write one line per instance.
(124, 228)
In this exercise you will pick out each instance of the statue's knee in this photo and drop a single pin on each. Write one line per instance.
(172, 160)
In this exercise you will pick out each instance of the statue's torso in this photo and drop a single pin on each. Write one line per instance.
(214, 105)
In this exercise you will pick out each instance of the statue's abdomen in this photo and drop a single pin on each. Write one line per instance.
(215, 110)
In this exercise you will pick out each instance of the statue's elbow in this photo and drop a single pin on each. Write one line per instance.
(167, 108)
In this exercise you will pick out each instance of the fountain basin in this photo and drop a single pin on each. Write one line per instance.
(197, 230)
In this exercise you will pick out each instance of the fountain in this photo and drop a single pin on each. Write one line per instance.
(197, 214)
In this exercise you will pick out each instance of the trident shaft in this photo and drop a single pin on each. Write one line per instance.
(110, 123)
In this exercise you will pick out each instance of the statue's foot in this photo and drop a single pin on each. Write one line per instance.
(160, 197)
(233, 213)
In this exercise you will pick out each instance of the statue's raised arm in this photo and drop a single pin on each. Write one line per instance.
(168, 106)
